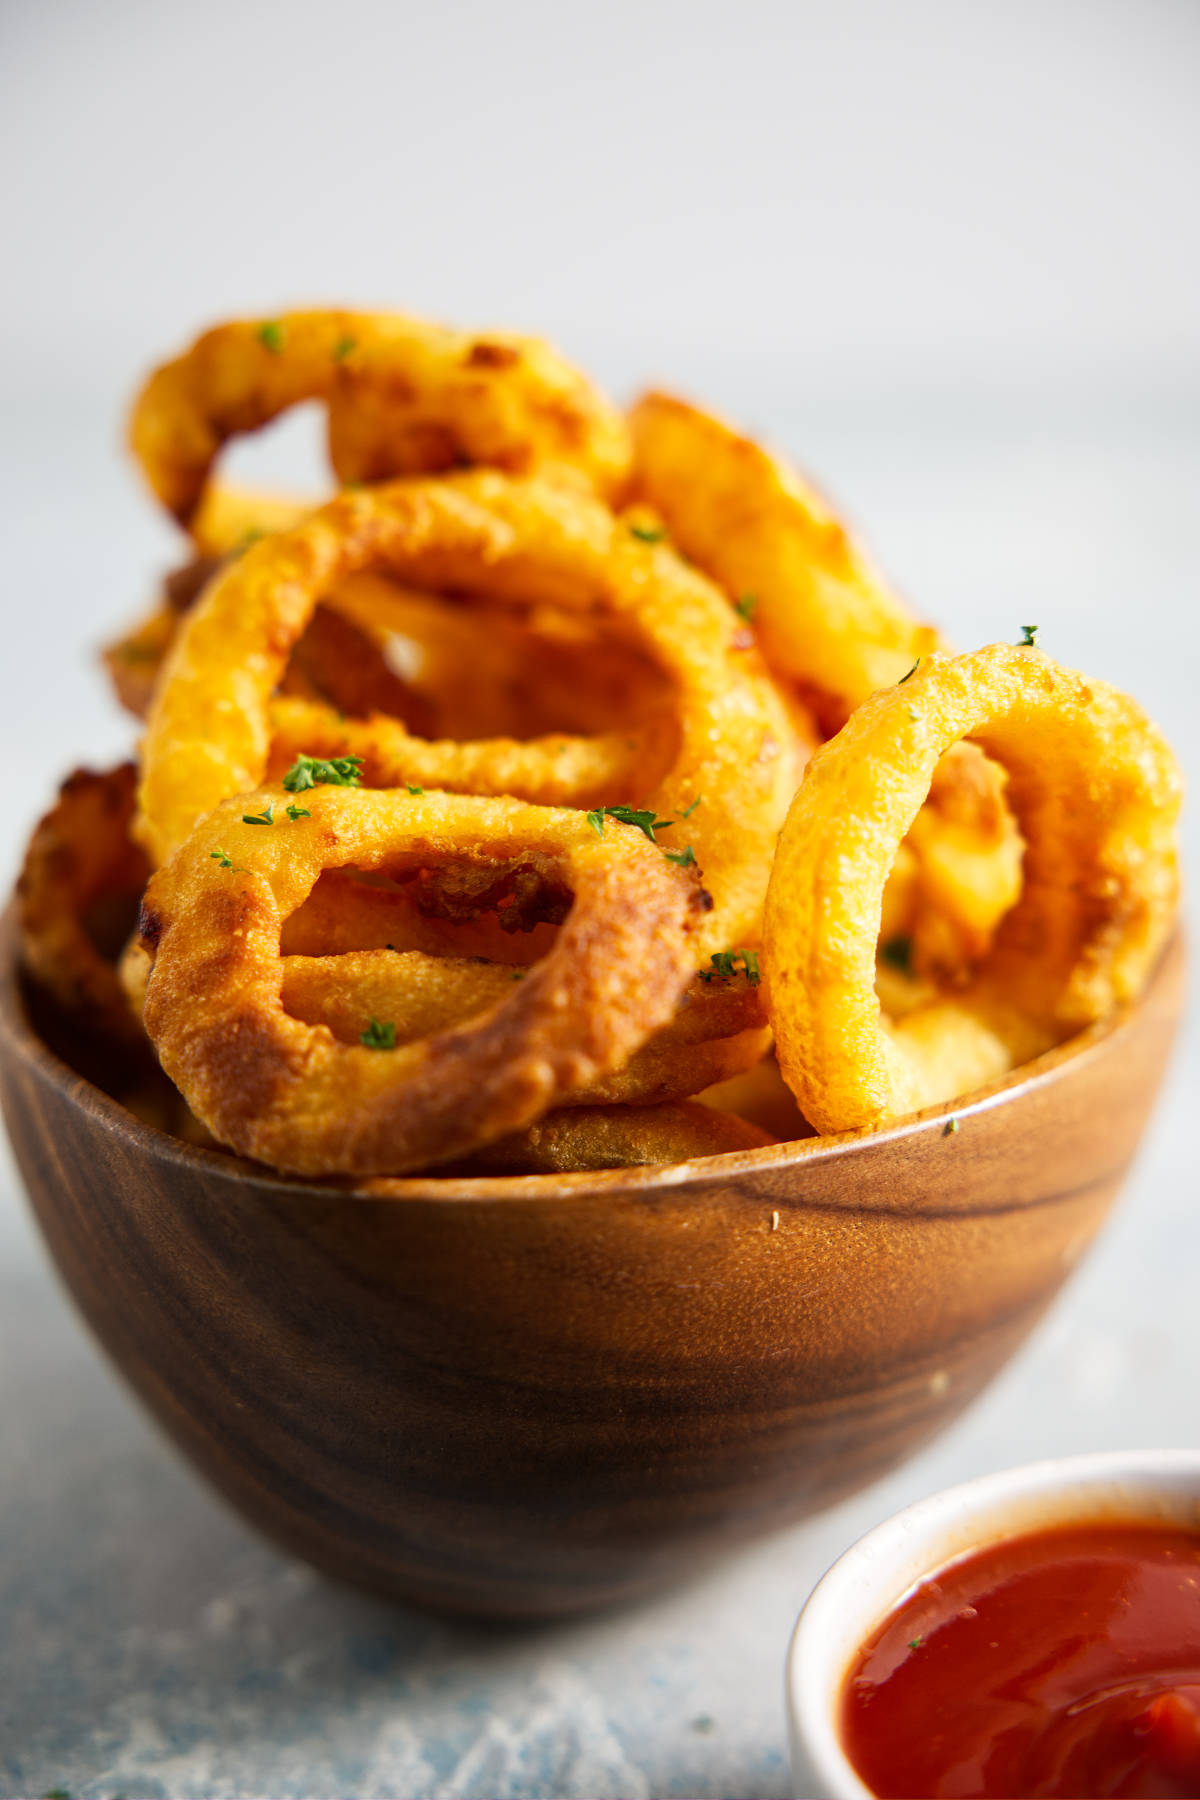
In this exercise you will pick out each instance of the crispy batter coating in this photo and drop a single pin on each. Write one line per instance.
(616, 1137)
(81, 858)
(273, 1087)
(210, 731)
(823, 614)
(405, 397)
(719, 1029)
(828, 622)
(1095, 791)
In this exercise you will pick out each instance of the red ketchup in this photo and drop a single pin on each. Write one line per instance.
(1064, 1662)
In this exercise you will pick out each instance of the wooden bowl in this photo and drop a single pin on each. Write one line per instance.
(534, 1395)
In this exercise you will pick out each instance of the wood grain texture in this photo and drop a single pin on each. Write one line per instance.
(542, 1394)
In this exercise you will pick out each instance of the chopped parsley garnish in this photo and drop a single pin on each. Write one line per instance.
(725, 966)
(271, 335)
(746, 607)
(691, 809)
(686, 858)
(916, 1643)
(345, 346)
(266, 817)
(898, 952)
(223, 857)
(313, 771)
(1028, 637)
(298, 812)
(412, 789)
(950, 1127)
(910, 674)
(649, 534)
(379, 1035)
(646, 821)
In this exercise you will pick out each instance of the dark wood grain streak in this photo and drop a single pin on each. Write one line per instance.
(530, 1396)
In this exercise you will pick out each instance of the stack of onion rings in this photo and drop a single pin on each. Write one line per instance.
(213, 729)
(465, 791)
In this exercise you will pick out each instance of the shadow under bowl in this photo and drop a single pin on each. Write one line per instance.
(535, 1395)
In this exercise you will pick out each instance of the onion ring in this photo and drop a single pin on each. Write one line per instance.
(822, 613)
(827, 622)
(614, 1137)
(553, 770)
(719, 1030)
(210, 733)
(81, 859)
(405, 397)
(290, 1094)
(1095, 790)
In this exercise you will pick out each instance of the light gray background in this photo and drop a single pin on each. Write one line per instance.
(948, 255)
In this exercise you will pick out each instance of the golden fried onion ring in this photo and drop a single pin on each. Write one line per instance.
(614, 1137)
(1095, 790)
(79, 858)
(210, 730)
(272, 1087)
(718, 1031)
(822, 613)
(827, 621)
(405, 397)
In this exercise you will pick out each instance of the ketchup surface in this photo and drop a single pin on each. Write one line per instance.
(1063, 1662)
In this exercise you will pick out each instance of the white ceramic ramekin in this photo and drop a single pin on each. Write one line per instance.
(880, 1570)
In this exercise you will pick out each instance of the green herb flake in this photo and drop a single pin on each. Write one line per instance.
(648, 534)
(950, 1127)
(222, 857)
(691, 809)
(646, 822)
(910, 674)
(379, 1035)
(412, 789)
(345, 346)
(897, 951)
(686, 858)
(266, 817)
(298, 812)
(917, 1643)
(746, 607)
(313, 771)
(272, 335)
(725, 966)
(1029, 635)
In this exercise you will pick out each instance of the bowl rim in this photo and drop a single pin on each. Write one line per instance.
(930, 1534)
(18, 1035)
